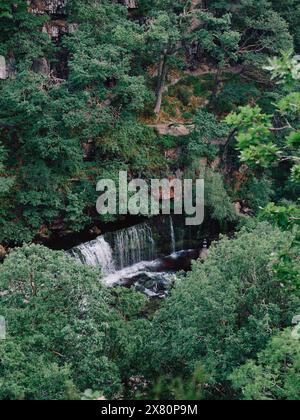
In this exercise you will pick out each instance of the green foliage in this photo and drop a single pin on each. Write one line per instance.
(275, 375)
(217, 198)
(257, 192)
(263, 31)
(181, 389)
(90, 395)
(285, 216)
(20, 34)
(216, 36)
(60, 136)
(286, 69)
(256, 137)
(220, 333)
(290, 11)
(225, 311)
(208, 131)
(234, 93)
(286, 262)
(59, 327)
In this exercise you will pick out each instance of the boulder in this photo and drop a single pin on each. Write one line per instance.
(11, 68)
(3, 72)
(2, 252)
(176, 130)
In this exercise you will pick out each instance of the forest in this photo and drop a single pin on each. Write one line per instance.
(122, 307)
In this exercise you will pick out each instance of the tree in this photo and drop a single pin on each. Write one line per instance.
(264, 32)
(223, 312)
(60, 328)
(256, 135)
(290, 11)
(274, 375)
(21, 38)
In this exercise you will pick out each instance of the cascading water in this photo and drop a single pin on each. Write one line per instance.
(134, 245)
(118, 250)
(96, 253)
(130, 257)
(173, 238)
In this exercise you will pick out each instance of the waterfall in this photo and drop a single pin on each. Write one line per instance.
(118, 250)
(96, 253)
(135, 257)
(173, 238)
(134, 245)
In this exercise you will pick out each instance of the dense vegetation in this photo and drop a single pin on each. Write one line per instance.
(86, 96)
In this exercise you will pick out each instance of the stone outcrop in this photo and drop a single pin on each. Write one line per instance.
(3, 72)
(52, 7)
(56, 9)
(41, 66)
(2, 252)
(7, 68)
(56, 28)
(130, 4)
(175, 130)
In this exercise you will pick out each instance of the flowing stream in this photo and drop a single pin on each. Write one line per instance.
(131, 257)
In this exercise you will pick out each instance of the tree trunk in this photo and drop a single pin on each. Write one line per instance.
(162, 75)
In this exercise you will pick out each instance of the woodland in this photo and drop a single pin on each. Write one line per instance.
(209, 88)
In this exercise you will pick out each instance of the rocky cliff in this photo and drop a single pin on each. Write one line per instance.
(52, 7)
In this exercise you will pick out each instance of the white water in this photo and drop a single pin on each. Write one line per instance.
(134, 245)
(129, 273)
(173, 238)
(96, 253)
(129, 256)
(123, 249)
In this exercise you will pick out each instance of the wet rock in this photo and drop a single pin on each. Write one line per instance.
(3, 72)
(155, 285)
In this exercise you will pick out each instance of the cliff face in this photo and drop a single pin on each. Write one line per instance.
(58, 7)
(57, 10)
(52, 7)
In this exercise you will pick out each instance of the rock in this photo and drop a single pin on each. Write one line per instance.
(2, 252)
(41, 66)
(11, 68)
(3, 72)
(95, 231)
(52, 7)
(204, 253)
(56, 28)
(175, 130)
(130, 4)
(241, 210)
(73, 27)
